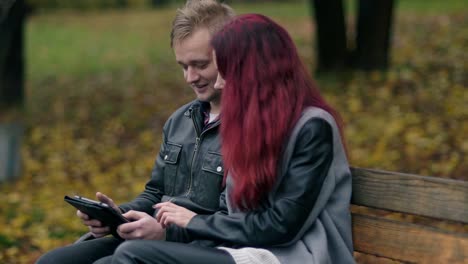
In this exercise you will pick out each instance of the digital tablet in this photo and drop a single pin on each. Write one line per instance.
(97, 210)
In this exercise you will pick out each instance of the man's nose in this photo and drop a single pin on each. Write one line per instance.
(191, 75)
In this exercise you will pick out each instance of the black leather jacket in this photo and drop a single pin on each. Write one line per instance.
(275, 222)
(188, 169)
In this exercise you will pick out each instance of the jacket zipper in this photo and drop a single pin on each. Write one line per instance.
(195, 150)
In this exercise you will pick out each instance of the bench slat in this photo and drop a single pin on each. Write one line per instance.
(362, 258)
(407, 242)
(407, 193)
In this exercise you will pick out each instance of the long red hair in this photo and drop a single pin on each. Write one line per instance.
(266, 89)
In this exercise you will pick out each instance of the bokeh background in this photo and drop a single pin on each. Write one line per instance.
(101, 79)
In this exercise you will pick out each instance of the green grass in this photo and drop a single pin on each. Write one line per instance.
(432, 6)
(64, 43)
(421, 7)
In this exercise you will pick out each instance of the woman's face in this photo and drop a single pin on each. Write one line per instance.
(219, 84)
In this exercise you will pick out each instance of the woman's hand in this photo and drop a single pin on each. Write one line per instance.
(169, 213)
(143, 226)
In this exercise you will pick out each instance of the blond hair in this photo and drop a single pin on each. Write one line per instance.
(199, 13)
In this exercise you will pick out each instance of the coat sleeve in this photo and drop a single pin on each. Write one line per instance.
(154, 188)
(178, 234)
(282, 220)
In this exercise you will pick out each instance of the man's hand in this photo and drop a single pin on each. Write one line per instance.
(170, 213)
(96, 227)
(143, 226)
(104, 199)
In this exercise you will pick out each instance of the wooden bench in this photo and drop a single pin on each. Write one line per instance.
(425, 218)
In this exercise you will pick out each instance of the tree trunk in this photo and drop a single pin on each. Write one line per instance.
(12, 18)
(11, 55)
(159, 3)
(10, 151)
(373, 34)
(331, 34)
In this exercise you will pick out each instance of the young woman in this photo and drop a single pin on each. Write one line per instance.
(288, 184)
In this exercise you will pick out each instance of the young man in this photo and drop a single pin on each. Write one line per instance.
(188, 169)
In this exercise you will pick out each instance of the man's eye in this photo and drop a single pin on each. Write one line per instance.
(202, 65)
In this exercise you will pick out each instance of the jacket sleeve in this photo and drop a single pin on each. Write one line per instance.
(154, 188)
(294, 200)
(179, 234)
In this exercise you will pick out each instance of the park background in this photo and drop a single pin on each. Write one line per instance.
(101, 81)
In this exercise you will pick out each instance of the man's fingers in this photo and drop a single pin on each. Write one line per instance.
(99, 230)
(125, 228)
(128, 228)
(82, 215)
(134, 215)
(135, 224)
(107, 200)
(126, 235)
(88, 221)
(102, 197)
(93, 223)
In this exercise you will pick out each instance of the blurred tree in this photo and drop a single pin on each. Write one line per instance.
(372, 42)
(331, 34)
(12, 16)
(159, 3)
(121, 3)
(11, 52)
(373, 34)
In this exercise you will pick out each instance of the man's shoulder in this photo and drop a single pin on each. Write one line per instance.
(184, 109)
(181, 118)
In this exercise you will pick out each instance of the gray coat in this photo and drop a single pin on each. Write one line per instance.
(326, 235)
(306, 218)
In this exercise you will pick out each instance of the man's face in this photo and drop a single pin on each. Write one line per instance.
(194, 55)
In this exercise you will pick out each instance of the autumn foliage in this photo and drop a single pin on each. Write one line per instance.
(100, 86)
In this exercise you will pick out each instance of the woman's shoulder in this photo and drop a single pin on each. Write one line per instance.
(315, 128)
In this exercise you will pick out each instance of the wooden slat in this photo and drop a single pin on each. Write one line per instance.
(408, 193)
(362, 258)
(407, 242)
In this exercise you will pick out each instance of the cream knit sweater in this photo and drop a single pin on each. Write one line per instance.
(250, 255)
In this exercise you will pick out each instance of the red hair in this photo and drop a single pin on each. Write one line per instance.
(267, 87)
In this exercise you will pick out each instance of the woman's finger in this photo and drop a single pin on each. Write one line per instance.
(162, 219)
(161, 211)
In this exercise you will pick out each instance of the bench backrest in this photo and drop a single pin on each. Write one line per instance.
(441, 202)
